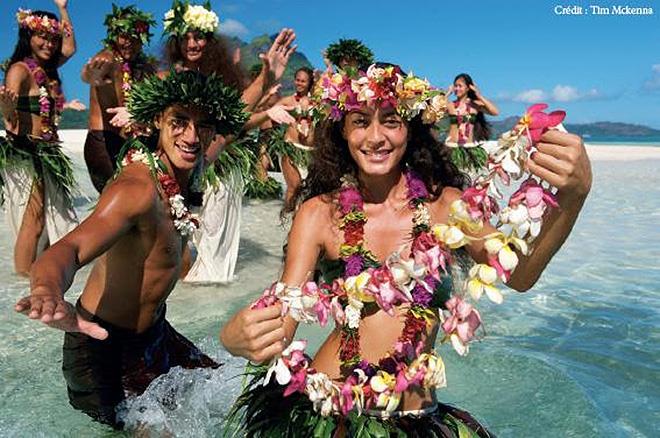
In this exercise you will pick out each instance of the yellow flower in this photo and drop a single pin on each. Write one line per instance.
(482, 279)
(458, 213)
(501, 245)
(451, 235)
(356, 287)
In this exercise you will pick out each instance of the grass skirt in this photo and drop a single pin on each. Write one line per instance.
(263, 411)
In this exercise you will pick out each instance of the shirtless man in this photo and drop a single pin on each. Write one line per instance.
(117, 339)
(110, 74)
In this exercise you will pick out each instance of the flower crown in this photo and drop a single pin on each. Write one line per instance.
(349, 49)
(129, 21)
(336, 94)
(38, 23)
(184, 17)
(153, 95)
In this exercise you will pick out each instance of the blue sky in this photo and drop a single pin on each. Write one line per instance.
(596, 67)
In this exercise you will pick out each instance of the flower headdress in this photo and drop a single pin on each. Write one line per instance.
(129, 21)
(38, 23)
(349, 49)
(153, 95)
(184, 17)
(336, 94)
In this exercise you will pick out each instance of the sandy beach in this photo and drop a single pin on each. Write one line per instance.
(74, 139)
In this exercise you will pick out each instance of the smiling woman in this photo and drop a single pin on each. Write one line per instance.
(35, 173)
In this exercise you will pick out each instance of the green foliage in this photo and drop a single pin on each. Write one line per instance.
(154, 95)
(128, 20)
(350, 49)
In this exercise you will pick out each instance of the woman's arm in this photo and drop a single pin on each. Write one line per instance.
(68, 38)
(260, 334)
(484, 104)
(562, 161)
(17, 83)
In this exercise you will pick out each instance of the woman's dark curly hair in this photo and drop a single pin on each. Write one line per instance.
(331, 159)
(216, 58)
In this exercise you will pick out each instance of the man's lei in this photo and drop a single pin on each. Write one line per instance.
(128, 21)
(184, 17)
(415, 281)
(41, 23)
(184, 221)
(335, 94)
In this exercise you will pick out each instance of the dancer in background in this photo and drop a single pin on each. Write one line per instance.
(111, 74)
(37, 176)
(294, 148)
(348, 53)
(468, 128)
(117, 339)
(193, 45)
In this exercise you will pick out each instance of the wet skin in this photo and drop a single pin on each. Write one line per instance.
(131, 236)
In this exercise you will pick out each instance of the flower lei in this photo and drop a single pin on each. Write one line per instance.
(41, 24)
(49, 120)
(338, 93)
(184, 17)
(184, 221)
(416, 281)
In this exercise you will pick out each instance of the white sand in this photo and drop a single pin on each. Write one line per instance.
(74, 139)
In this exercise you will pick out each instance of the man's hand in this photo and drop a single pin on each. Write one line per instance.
(255, 334)
(8, 101)
(561, 159)
(121, 116)
(277, 57)
(55, 312)
(98, 71)
(280, 114)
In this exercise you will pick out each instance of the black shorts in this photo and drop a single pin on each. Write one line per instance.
(100, 374)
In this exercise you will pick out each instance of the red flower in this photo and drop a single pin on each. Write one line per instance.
(169, 184)
(423, 242)
(353, 232)
(539, 122)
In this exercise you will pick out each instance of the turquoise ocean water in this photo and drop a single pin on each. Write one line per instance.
(578, 356)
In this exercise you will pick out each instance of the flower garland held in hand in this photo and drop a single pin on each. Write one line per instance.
(414, 282)
(184, 221)
(50, 117)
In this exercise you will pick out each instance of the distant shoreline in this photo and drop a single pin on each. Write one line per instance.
(74, 140)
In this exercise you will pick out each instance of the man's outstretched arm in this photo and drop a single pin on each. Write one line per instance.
(117, 211)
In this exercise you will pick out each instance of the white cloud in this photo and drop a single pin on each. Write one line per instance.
(530, 96)
(567, 93)
(653, 84)
(233, 27)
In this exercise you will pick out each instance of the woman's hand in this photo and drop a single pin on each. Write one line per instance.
(280, 114)
(255, 334)
(121, 116)
(8, 101)
(561, 159)
(98, 71)
(61, 4)
(277, 57)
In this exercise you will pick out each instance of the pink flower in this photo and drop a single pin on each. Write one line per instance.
(297, 382)
(534, 197)
(479, 204)
(433, 259)
(539, 122)
(383, 288)
(463, 321)
(349, 199)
